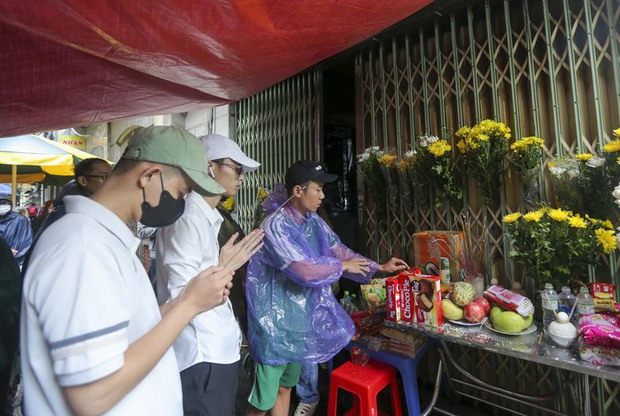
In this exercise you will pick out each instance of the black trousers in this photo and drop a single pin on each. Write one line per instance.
(210, 389)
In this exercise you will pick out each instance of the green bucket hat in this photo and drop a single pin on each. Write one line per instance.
(175, 147)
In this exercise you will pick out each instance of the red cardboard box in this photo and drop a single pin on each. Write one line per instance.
(426, 291)
(407, 298)
(393, 298)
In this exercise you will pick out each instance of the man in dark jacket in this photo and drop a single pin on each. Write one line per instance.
(15, 229)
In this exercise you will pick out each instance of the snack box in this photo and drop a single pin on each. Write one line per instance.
(510, 300)
(393, 298)
(407, 303)
(426, 292)
(430, 246)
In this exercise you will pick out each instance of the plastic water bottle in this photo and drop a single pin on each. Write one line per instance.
(566, 301)
(585, 302)
(549, 304)
(347, 303)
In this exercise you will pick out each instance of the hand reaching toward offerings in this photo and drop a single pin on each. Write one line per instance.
(393, 265)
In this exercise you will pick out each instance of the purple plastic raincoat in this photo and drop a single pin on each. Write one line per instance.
(293, 315)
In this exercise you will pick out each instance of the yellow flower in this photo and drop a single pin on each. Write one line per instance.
(228, 203)
(617, 132)
(607, 224)
(262, 195)
(525, 142)
(606, 239)
(387, 159)
(558, 215)
(510, 218)
(533, 216)
(463, 148)
(577, 222)
(613, 146)
(439, 148)
(463, 132)
(584, 156)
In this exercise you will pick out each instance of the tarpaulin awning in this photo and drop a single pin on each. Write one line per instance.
(70, 63)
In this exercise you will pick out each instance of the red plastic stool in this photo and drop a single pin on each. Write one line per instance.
(365, 382)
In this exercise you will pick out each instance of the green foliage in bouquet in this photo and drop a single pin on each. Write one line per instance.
(434, 168)
(484, 147)
(374, 181)
(555, 245)
(526, 155)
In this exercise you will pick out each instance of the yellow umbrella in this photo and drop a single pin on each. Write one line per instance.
(29, 159)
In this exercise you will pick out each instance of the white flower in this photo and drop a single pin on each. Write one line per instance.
(425, 141)
(616, 192)
(595, 162)
(573, 173)
(410, 153)
(557, 171)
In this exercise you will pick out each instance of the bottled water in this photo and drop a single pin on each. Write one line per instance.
(566, 301)
(585, 302)
(549, 304)
(347, 303)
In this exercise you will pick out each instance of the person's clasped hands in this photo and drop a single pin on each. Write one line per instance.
(236, 255)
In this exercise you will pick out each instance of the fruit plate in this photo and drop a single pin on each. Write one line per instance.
(530, 329)
(463, 322)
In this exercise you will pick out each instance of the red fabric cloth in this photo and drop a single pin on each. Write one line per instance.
(68, 62)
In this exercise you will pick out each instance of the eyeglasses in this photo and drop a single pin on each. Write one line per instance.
(237, 169)
(102, 176)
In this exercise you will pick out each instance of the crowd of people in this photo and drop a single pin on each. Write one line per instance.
(99, 334)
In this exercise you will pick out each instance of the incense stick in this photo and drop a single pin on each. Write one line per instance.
(572, 310)
(273, 214)
(554, 311)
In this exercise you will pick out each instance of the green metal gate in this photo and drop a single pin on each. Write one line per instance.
(547, 68)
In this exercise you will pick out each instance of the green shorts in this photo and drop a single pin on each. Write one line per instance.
(267, 380)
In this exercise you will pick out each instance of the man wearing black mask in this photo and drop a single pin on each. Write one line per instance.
(93, 339)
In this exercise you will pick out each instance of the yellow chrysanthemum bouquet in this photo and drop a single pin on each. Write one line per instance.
(484, 148)
(526, 155)
(435, 171)
(555, 245)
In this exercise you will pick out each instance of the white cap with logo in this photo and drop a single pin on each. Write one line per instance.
(220, 147)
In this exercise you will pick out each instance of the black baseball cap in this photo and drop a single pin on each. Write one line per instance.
(303, 171)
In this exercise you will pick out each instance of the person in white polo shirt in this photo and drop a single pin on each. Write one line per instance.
(93, 340)
(208, 350)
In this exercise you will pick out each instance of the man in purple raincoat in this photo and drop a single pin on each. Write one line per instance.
(293, 317)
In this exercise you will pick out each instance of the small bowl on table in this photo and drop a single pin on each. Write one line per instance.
(563, 342)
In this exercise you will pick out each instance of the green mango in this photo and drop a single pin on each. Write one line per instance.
(450, 310)
(509, 321)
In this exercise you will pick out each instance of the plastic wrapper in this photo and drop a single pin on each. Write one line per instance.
(598, 330)
(599, 355)
(292, 314)
(509, 300)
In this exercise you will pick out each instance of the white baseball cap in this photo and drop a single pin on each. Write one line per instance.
(220, 147)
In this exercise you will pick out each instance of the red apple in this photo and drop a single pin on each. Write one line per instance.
(474, 312)
(484, 303)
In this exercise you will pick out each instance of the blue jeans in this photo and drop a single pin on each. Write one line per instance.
(152, 275)
(308, 387)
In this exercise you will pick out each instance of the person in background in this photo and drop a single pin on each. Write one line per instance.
(32, 211)
(208, 350)
(15, 229)
(10, 294)
(149, 233)
(93, 339)
(293, 316)
(88, 176)
(40, 218)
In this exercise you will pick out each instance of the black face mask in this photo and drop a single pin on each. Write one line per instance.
(167, 212)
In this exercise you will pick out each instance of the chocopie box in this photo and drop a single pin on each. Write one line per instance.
(426, 291)
(393, 298)
(407, 297)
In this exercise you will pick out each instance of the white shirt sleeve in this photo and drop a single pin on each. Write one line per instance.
(84, 312)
